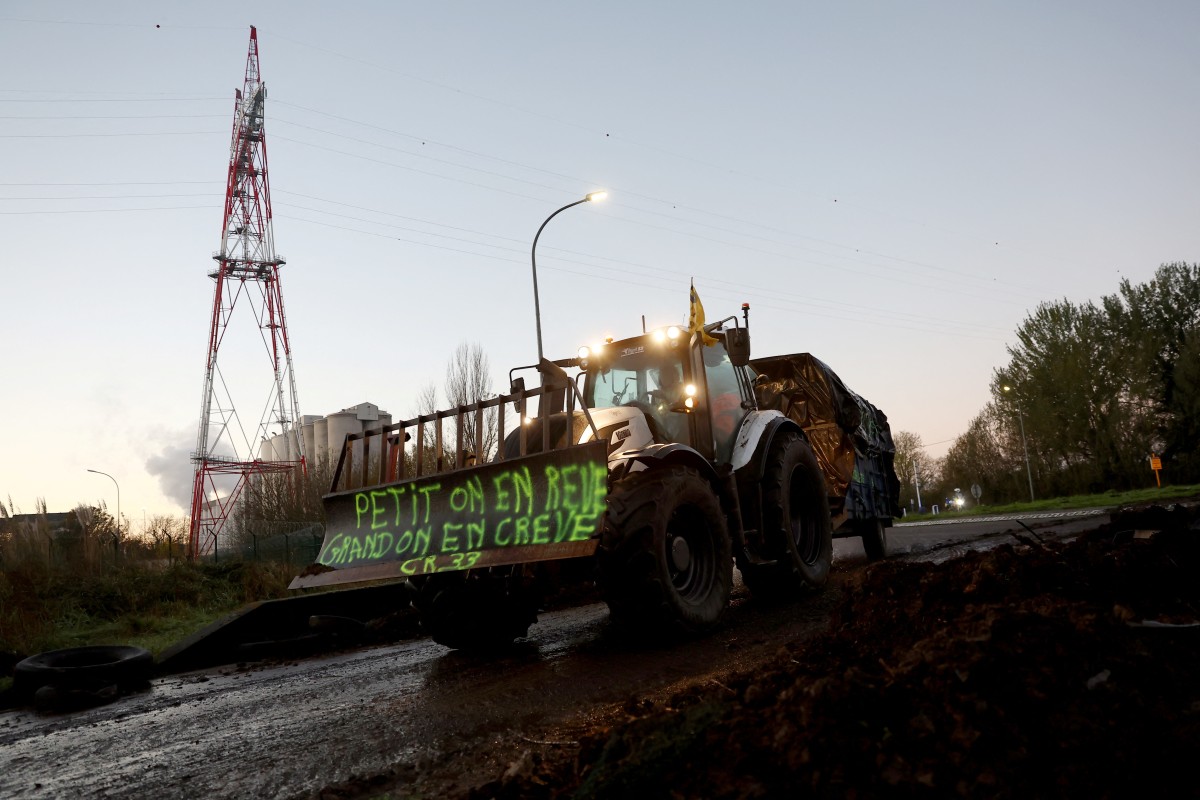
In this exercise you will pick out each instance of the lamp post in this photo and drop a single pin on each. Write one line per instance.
(1025, 447)
(114, 480)
(917, 483)
(537, 308)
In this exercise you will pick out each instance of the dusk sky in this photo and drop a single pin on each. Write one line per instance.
(893, 187)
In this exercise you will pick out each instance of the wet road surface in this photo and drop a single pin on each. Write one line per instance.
(410, 712)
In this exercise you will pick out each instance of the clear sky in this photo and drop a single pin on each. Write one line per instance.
(892, 186)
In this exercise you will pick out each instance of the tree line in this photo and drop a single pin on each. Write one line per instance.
(1090, 392)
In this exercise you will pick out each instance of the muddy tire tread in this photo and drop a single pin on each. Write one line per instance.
(790, 574)
(635, 579)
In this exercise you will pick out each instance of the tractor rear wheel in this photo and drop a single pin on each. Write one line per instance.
(797, 530)
(874, 538)
(665, 557)
(481, 610)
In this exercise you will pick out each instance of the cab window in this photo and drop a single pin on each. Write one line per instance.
(724, 400)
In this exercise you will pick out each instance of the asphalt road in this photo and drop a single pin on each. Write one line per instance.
(415, 713)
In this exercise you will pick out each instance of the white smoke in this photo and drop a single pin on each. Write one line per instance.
(173, 468)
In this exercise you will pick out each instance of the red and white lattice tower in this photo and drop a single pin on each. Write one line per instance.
(247, 277)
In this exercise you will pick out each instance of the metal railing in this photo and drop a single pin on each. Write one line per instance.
(390, 454)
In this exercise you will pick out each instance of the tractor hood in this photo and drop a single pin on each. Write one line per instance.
(624, 428)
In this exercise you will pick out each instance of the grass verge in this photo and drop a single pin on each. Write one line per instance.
(1109, 499)
(145, 606)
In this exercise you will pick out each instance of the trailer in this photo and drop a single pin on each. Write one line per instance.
(850, 437)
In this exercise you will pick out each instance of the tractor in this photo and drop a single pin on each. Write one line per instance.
(664, 461)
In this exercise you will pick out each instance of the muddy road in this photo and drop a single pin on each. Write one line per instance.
(413, 715)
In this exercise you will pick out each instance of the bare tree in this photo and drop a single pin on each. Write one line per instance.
(468, 380)
(913, 464)
(169, 535)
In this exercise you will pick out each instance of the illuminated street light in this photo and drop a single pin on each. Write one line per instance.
(537, 307)
(114, 480)
(1021, 419)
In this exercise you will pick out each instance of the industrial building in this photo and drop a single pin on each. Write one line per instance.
(323, 436)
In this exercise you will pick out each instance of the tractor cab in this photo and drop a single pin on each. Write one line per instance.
(685, 391)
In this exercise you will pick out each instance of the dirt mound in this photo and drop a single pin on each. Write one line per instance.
(1064, 670)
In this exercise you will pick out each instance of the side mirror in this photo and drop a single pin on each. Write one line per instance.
(516, 387)
(737, 342)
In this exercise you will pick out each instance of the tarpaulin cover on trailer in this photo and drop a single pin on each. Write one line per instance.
(850, 437)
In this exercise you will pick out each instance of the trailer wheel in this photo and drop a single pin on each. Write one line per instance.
(665, 557)
(480, 610)
(796, 525)
(874, 538)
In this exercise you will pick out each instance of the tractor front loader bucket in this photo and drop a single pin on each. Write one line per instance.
(382, 523)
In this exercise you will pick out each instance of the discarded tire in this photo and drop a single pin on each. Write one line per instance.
(83, 668)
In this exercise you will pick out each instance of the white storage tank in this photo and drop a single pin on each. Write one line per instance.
(340, 424)
(384, 419)
(320, 440)
(308, 431)
(266, 450)
(292, 446)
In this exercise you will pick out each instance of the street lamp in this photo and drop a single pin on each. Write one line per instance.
(114, 480)
(537, 308)
(1021, 419)
(917, 483)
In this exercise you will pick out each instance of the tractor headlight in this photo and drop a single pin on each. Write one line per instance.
(690, 390)
(585, 352)
(673, 332)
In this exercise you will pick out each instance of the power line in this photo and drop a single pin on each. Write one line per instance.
(991, 285)
(116, 100)
(104, 210)
(889, 276)
(104, 135)
(112, 196)
(458, 91)
(879, 316)
(125, 116)
(117, 183)
(139, 25)
(770, 292)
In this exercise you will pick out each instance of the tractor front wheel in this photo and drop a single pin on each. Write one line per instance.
(665, 557)
(482, 610)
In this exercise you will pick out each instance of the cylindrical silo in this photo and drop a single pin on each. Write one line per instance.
(266, 450)
(307, 429)
(340, 424)
(320, 440)
(293, 446)
(375, 424)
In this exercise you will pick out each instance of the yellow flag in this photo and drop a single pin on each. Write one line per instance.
(696, 318)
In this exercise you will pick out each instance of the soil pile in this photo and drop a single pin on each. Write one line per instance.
(1062, 670)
